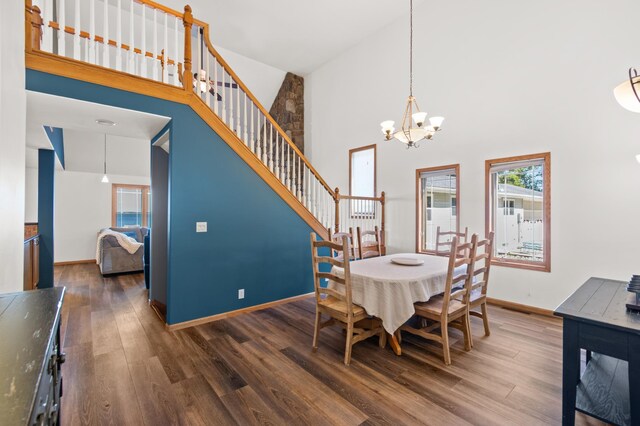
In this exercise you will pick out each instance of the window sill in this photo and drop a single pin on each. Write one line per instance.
(544, 267)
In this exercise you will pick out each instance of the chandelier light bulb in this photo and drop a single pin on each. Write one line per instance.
(625, 93)
(436, 122)
(419, 118)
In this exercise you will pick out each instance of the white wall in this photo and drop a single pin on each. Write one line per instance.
(31, 195)
(12, 145)
(82, 208)
(511, 78)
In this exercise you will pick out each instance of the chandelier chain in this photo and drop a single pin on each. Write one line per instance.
(411, 47)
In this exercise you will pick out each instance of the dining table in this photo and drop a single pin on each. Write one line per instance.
(388, 290)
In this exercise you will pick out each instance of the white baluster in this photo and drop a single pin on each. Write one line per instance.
(155, 52)
(119, 37)
(231, 112)
(62, 23)
(92, 33)
(176, 78)
(143, 43)
(216, 88)
(224, 96)
(244, 120)
(165, 57)
(252, 124)
(270, 156)
(131, 65)
(105, 41)
(238, 130)
(207, 71)
(281, 175)
(76, 35)
(198, 62)
(265, 146)
(47, 31)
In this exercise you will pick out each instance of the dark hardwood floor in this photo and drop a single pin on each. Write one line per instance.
(123, 367)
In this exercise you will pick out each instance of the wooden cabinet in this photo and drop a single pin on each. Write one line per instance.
(31, 262)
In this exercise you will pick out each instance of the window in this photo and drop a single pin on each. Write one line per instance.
(362, 179)
(519, 210)
(437, 197)
(130, 205)
(362, 171)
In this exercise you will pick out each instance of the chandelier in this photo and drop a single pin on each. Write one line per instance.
(409, 134)
(626, 93)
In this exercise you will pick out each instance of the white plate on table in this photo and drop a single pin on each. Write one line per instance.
(407, 261)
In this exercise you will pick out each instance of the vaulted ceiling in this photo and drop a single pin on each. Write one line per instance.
(294, 35)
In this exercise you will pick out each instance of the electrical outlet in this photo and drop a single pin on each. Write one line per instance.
(241, 293)
(201, 226)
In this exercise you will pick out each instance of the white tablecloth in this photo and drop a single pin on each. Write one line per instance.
(388, 291)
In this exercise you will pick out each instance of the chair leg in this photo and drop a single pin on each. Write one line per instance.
(466, 329)
(485, 319)
(383, 338)
(316, 330)
(347, 349)
(398, 335)
(445, 343)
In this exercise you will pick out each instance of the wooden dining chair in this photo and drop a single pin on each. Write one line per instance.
(478, 295)
(369, 248)
(337, 304)
(336, 237)
(451, 309)
(442, 242)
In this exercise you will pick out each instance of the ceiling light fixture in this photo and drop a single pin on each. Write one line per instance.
(105, 179)
(626, 93)
(104, 122)
(407, 134)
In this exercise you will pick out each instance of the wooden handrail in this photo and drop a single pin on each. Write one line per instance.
(357, 197)
(160, 7)
(244, 88)
(111, 42)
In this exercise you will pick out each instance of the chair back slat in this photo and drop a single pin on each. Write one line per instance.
(336, 238)
(482, 263)
(345, 280)
(461, 237)
(371, 248)
(461, 255)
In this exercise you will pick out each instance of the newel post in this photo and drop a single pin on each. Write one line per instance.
(27, 26)
(382, 219)
(36, 28)
(337, 209)
(188, 23)
(32, 27)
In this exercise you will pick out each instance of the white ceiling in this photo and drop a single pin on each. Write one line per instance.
(127, 142)
(294, 35)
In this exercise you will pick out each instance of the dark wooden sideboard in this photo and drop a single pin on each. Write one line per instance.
(595, 318)
(30, 357)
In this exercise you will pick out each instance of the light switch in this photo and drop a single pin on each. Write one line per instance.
(241, 293)
(201, 226)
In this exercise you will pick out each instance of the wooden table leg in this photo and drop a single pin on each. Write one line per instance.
(570, 371)
(395, 345)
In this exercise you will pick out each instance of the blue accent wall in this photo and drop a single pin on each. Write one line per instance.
(56, 137)
(46, 196)
(255, 241)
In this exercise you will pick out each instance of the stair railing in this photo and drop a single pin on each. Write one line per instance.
(148, 40)
(227, 96)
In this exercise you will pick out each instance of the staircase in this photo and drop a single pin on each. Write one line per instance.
(161, 52)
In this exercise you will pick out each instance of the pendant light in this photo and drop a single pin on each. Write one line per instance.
(105, 179)
(626, 93)
(409, 134)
